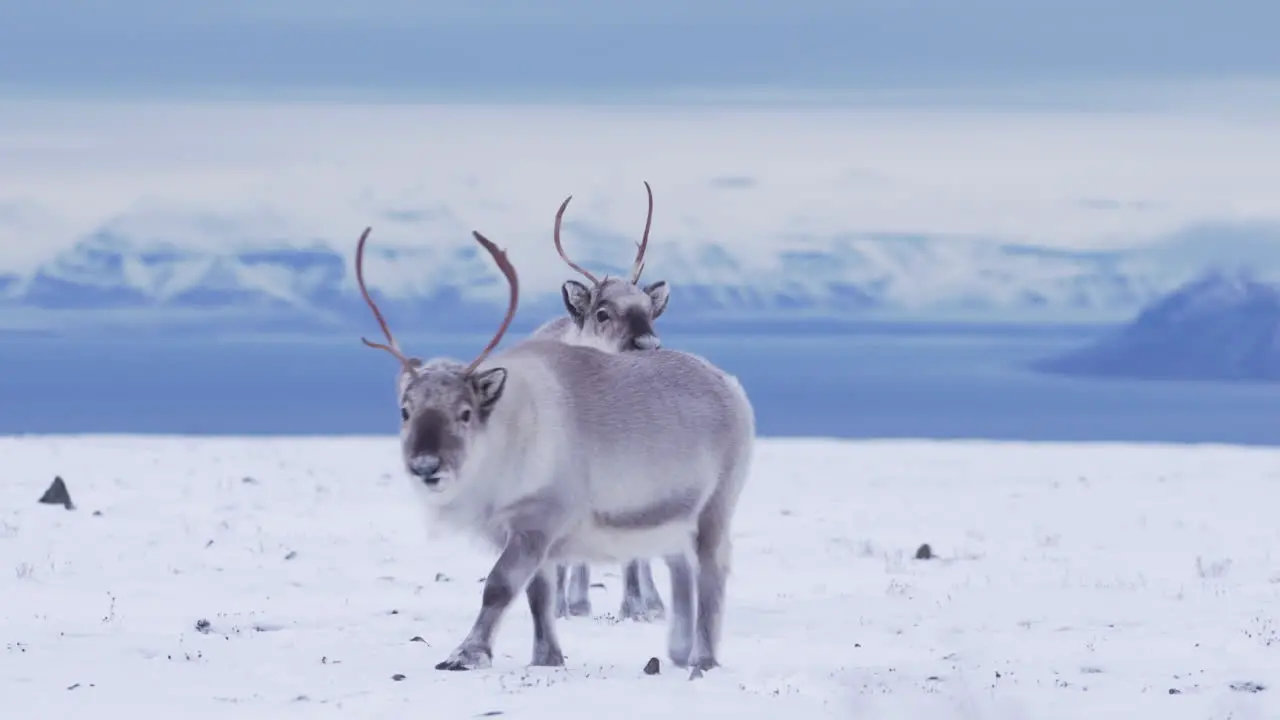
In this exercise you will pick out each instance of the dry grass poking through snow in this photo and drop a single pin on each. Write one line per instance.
(280, 578)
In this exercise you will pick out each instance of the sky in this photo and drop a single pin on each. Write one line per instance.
(578, 48)
(760, 124)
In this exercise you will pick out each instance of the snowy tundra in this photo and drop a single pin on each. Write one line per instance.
(275, 578)
(554, 453)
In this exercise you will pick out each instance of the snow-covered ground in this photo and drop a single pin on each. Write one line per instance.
(279, 578)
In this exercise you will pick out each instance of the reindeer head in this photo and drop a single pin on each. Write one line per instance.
(444, 404)
(615, 314)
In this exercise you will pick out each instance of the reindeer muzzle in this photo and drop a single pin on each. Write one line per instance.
(426, 468)
(648, 341)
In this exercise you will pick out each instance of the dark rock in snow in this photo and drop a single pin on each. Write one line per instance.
(652, 667)
(924, 552)
(1249, 687)
(57, 494)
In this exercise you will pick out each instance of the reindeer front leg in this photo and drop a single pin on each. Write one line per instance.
(521, 559)
(546, 646)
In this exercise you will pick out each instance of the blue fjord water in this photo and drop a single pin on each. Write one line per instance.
(858, 386)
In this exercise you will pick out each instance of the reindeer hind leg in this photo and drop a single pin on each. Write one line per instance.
(561, 602)
(712, 547)
(640, 600)
(680, 624)
(580, 591)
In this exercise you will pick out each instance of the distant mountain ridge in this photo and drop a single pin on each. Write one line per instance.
(110, 279)
(1220, 326)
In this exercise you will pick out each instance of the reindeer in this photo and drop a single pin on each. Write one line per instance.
(558, 453)
(613, 315)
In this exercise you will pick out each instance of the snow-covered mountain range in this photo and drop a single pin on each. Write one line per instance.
(111, 280)
(1221, 326)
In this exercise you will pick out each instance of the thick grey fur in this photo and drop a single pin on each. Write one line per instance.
(614, 316)
(559, 453)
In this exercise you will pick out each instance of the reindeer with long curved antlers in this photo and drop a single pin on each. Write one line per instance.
(613, 315)
(557, 453)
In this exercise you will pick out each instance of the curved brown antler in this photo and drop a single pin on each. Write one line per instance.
(391, 346)
(637, 267)
(504, 264)
(560, 249)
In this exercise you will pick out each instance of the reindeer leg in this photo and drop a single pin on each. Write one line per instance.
(524, 554)
(632, 599)
(712, 547)
(562, 604)
(638, 598)
(580, 591)
(546, 647)
(649, 591)
(680, 624)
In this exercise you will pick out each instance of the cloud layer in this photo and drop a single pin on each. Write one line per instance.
(758, 180)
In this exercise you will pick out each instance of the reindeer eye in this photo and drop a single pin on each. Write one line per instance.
(465, 415)
(602, 315)
(404, 414)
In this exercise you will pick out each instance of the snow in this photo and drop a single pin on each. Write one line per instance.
(1071, 581)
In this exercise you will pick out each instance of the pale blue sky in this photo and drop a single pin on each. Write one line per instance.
(578, 47)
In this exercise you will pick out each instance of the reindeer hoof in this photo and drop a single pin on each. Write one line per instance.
(641, 611)
(580, 609)
(655, 609)
(551, 657)
(698, 666)
(465, 658)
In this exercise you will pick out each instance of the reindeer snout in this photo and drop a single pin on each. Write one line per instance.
(426, 468)
(646, 342)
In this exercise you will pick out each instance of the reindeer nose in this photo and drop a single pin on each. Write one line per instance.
(425, 467)
(648, 341)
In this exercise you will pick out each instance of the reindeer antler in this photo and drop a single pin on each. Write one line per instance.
(504, 264)
(391, 346)
(637, 267)
(560, 249)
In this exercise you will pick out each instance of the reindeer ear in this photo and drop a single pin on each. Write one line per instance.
(489, 386)
(658, 294)
(577, 299)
